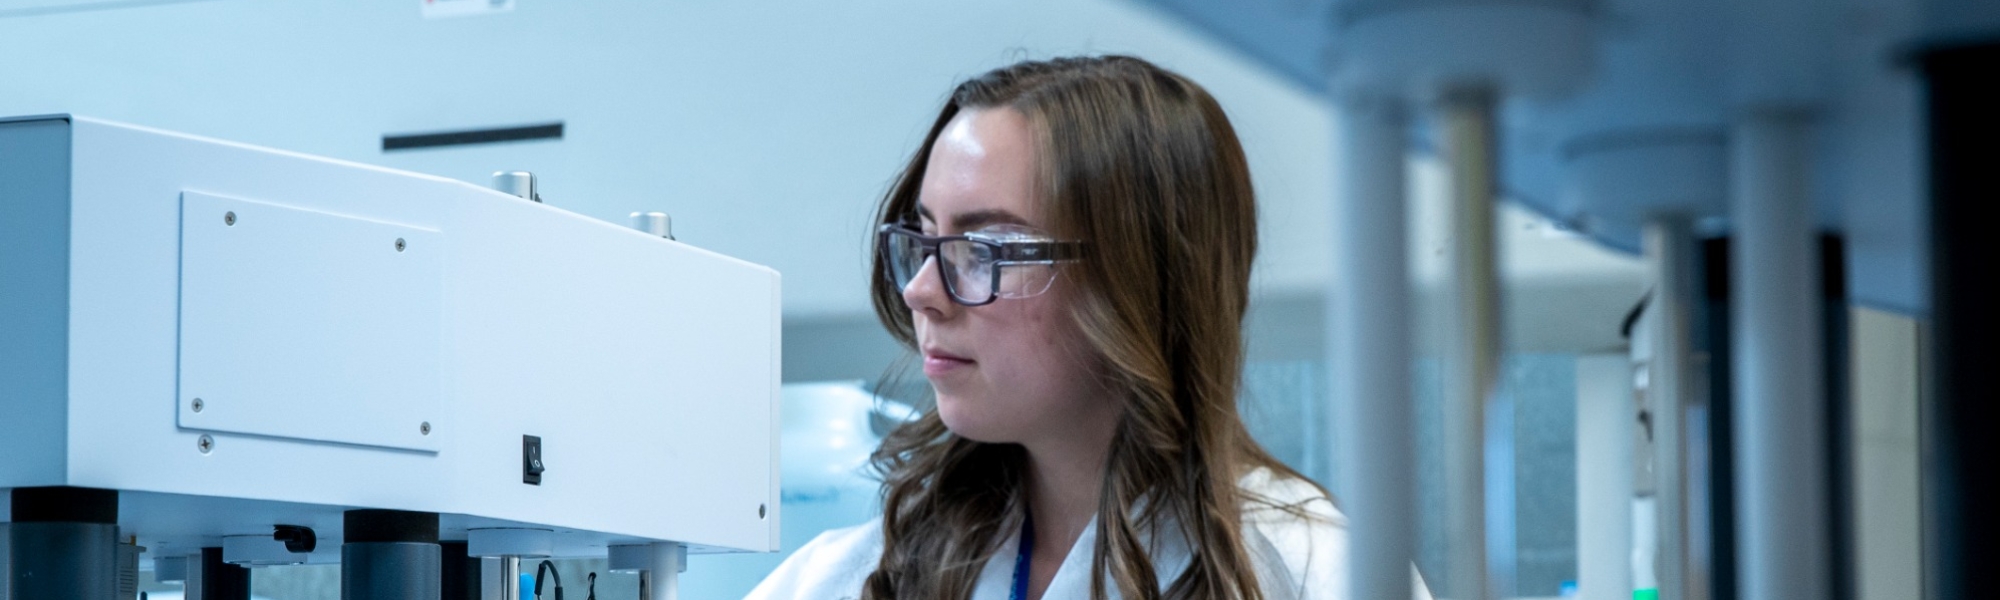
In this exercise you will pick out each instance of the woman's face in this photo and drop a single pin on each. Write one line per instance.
(1015, 370)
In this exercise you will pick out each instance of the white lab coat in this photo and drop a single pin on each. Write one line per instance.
(1296, 558)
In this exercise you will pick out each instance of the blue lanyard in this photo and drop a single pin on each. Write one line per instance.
(1021, 560)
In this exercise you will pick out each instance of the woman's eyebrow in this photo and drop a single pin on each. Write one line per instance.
(969, 221)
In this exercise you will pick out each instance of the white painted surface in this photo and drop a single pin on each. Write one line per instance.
(310, 324)
(1645, 543)
(34, 352)
(520, 542)
(827, 438)
(441, 9)
(1888, 503)
(258, 550)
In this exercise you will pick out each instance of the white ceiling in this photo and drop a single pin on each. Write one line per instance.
(767, 129)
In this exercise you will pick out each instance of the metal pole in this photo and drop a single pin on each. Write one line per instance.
(662, 578)
(1670, 252)
(1781, 469)
(510, 579)
(459, 573)
(221, 580)
(1481, 544)
(1605, 429)
(1960, 417)
(192, 588)
(390, 555)
(1369, 322)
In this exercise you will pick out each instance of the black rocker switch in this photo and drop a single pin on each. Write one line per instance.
(531, 460)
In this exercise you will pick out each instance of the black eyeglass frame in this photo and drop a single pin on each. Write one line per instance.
(1010, 253)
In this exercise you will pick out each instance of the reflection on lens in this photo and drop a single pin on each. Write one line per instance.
(1025, 280)
(971, 269)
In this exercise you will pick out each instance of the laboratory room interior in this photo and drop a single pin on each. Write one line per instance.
(526, 299)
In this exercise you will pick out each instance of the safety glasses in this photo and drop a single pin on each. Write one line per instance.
(978, 267)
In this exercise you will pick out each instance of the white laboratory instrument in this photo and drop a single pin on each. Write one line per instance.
(209, 340)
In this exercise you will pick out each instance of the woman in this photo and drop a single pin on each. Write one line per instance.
(1070, 251)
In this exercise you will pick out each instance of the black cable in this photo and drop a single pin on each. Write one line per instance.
(1632, 318)
(548, 568)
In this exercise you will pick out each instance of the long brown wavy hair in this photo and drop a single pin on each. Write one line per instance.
(1141, 164)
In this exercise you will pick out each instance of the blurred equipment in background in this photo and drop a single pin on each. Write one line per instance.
(1768, 158)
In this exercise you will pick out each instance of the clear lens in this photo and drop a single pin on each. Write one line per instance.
(968, 269)
(906, 257)
(1027, 269)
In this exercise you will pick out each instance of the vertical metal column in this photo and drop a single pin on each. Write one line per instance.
(1712, 317)
(1369, 323)
(1606, 426)
(63, 543)
(390, 555)
(1781, 423)
(6, 558)
(459, 572)
(191, 588)
(662, 578)
(1960, 418)
(1836, 344)
(1671, 250)
(509, 574)
(1481, 545)
(221, 580)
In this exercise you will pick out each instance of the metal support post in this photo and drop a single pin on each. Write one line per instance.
(1960, 417)
(505, 547)
(509, 584)
(1606, 427)
(459, 572)
(658, 565)
(1671, 251)
(1369, 334)
(63, 543)
(191, 587)
(221, 580)
(390, 555)
(662, 579)
(1781, 476)
(1479, 512)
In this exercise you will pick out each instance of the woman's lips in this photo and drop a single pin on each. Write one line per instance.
(939, 363)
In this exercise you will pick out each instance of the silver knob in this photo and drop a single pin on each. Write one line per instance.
(656, 223)
(519, 183)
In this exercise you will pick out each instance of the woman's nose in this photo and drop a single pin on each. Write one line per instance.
(926, 293)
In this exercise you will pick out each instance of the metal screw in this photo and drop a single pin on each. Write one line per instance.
(400, 245)
(426, 428)
(206, 444)
(229, 218)
(760, 511)
(198, 405)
